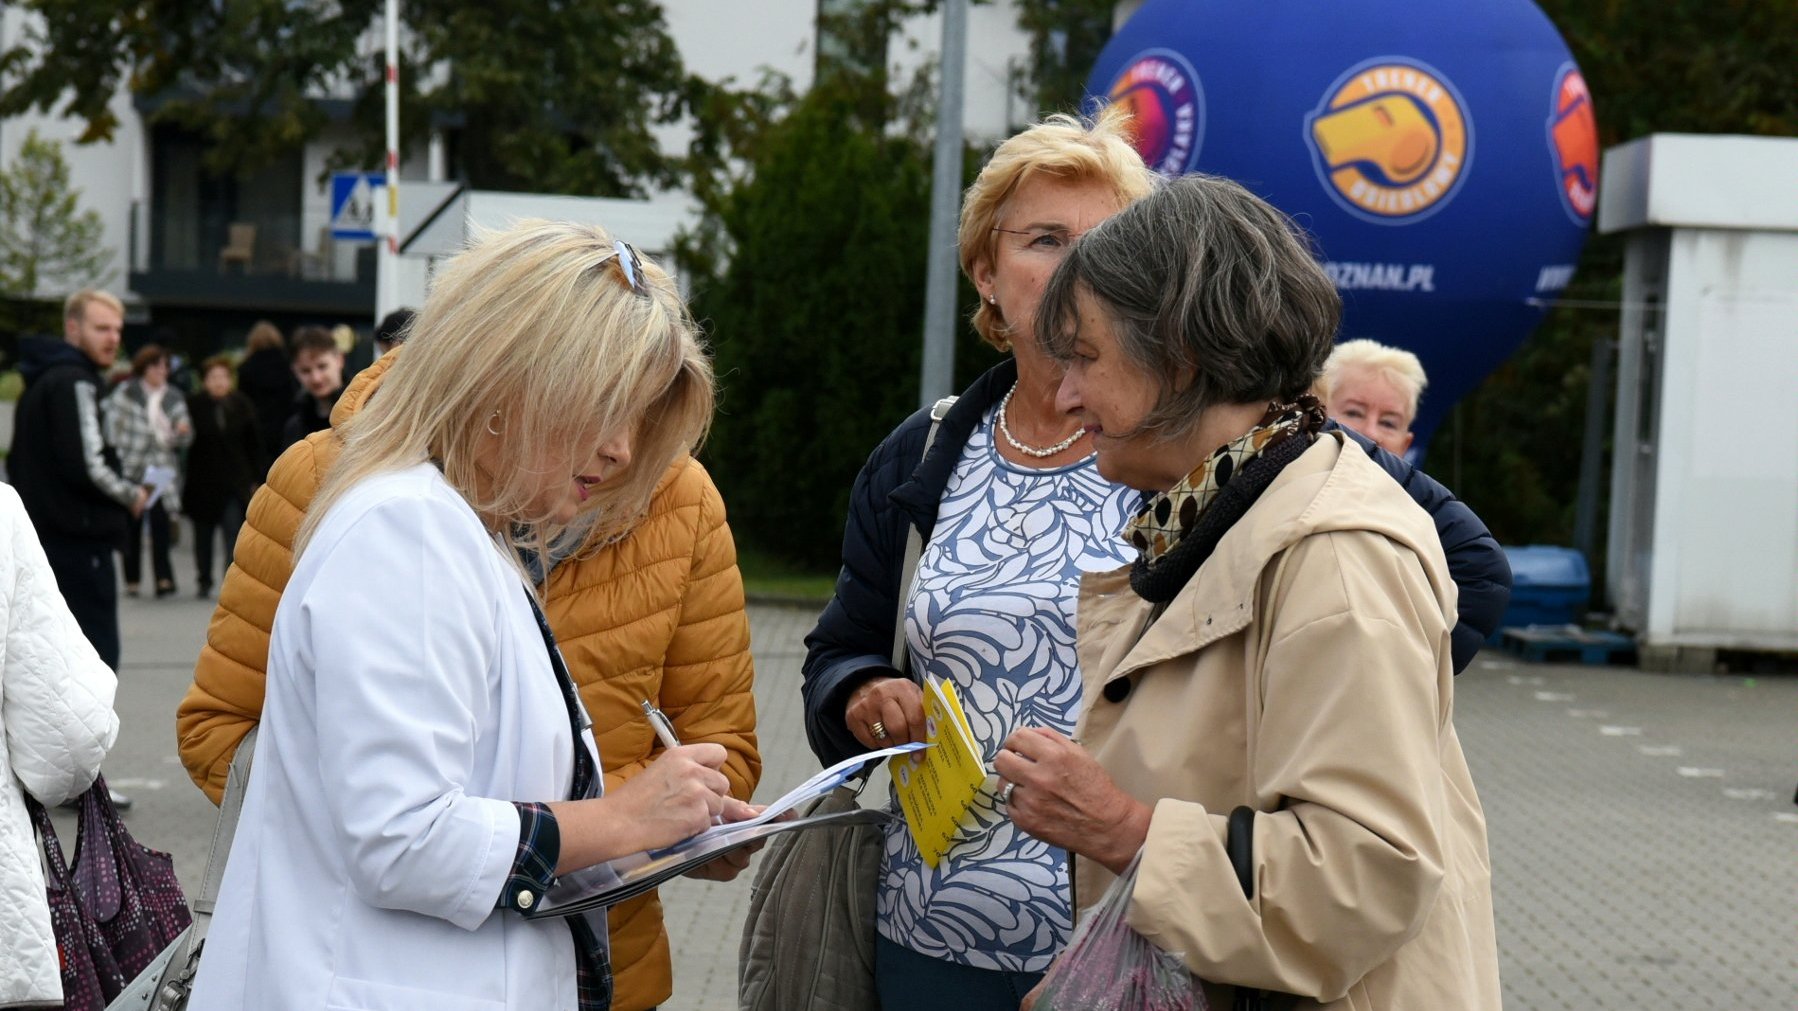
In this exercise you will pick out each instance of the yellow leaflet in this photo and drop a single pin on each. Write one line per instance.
(961, 716)
(936, 792)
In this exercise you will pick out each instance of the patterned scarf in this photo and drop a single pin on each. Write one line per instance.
(1177, 529)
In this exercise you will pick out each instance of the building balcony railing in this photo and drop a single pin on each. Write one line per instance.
(260, 263)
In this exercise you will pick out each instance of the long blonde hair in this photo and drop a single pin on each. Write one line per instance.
(535, 333)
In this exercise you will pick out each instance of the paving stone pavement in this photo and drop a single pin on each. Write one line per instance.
(1644, 840)
(1642, 825)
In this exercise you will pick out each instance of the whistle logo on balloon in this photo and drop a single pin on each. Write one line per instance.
(1167, 109)
(1573, 140)
(1391, 140)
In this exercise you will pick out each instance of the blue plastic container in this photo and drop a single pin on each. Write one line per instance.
(1549, 586)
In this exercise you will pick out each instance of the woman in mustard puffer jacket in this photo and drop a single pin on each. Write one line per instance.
(657, 614)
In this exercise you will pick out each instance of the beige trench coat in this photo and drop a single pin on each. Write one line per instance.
(1303, 672)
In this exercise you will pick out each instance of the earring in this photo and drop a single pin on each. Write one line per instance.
(490, 429)
(992, 299)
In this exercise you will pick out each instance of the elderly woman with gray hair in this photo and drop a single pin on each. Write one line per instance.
(1011, 508)
(1268, 731)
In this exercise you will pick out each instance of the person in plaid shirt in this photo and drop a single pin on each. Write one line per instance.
(147, 424)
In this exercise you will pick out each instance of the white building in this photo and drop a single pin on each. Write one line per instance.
(185, 260)
(1703, 550)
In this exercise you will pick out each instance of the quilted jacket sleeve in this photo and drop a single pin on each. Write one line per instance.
(55, 691)
(225, 700)
(78, 445)
(709, 675)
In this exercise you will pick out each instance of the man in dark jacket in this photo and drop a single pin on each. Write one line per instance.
(68, 478)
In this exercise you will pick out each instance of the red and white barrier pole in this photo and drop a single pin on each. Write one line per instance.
(387, 259)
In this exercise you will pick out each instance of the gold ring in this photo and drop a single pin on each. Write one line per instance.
(879, 730)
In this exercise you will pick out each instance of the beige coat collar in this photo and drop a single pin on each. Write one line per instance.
(1327, 488)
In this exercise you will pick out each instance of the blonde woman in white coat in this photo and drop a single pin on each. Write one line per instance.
(56, 711)
(423, 771)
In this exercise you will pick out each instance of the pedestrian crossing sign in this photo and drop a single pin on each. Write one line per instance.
(353, 196)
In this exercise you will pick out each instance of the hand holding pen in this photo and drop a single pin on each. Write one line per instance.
(728, 865)
(734, 809)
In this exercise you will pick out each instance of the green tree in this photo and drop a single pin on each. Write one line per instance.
(808, 274)
(1512, 451)
(815, 317)
(559, 96)
(47, 242)
(1694, 66)
(1066, 37)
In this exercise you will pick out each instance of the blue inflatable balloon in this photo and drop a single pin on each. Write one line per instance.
(1444, 154)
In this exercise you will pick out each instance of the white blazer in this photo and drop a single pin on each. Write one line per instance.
(56, 713)
(410, 701)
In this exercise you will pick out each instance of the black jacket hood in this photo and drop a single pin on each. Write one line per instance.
(38, 355)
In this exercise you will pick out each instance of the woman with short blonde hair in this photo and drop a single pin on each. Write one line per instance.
(264, 335)
(1374, 389)
(224, 465)
(425, 768)
(1061, 147)
(1011, 511)
(266, 377)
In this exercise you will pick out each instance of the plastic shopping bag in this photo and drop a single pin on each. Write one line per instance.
(1110, 967)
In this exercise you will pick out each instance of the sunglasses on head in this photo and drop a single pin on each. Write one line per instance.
(630, 265)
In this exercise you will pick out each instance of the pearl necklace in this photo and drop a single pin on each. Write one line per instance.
(1005, 430)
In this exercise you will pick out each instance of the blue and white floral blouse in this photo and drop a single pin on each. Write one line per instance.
(992, 610)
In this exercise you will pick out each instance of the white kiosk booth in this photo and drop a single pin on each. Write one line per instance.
(438, 219)
(1703, 540)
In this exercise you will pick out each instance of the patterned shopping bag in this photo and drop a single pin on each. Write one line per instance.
(128, 890)
(90, 975)
(1107, 966)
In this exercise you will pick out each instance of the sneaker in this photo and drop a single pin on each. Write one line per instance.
(120, 802)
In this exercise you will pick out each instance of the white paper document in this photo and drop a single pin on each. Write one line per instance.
(820, 784)
(627, 877)
(159, 479)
